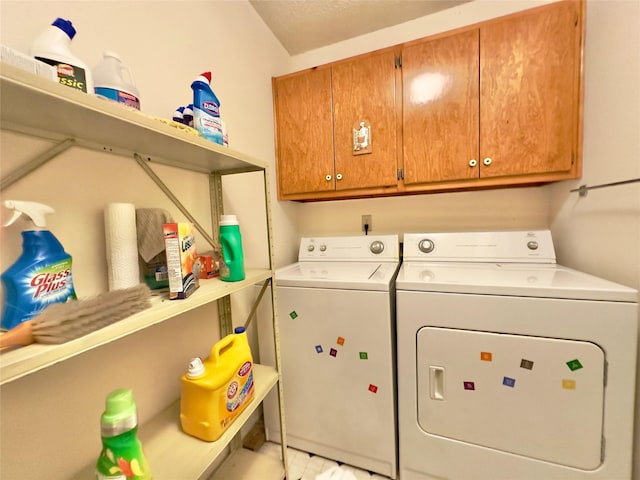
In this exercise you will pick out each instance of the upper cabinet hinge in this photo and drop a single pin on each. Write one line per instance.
(400, 174)
(573, 157)
(398, 61)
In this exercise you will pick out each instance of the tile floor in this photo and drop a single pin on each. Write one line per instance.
(303, 466)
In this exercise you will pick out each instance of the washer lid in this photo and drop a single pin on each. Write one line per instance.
(522, 280)
(342, 275)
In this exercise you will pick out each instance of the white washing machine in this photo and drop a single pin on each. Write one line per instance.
(509, 365)
(337, 344)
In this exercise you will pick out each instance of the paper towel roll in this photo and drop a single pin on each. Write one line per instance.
(122, 245)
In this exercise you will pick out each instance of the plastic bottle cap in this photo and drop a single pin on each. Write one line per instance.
(228, 220)
(196, 368)
(120, 413)
(239, 330)
(66, 26)
(204, 77)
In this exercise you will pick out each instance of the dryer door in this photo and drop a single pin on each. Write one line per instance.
(533, 396)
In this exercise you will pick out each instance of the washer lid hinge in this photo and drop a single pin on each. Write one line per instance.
(400, 174)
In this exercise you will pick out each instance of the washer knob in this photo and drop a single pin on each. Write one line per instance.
(323, 248)
(426, 246)
(376, 247)
(310, 248)
(532, 245)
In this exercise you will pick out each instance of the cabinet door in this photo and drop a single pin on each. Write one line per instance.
(364, 90)
(304, 133)
(529, 91)
(440, 109)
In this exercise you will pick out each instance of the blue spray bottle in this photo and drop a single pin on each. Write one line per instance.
(42, 274)
(206, 109)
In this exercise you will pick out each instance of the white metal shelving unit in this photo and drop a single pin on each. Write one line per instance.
(42, 108)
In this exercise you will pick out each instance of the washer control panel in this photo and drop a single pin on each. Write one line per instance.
(350, 249)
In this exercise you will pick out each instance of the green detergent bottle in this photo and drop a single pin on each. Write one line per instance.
(232, 264)
(122, 457)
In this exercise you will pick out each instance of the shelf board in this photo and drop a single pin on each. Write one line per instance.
(37, 106)
(22, 361)
(173, 454)
(244, 464)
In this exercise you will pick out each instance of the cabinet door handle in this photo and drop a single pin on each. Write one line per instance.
(487, 161)
(328, 178)
(473, 162)
(339, 176)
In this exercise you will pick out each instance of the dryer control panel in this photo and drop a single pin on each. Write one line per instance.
(527, 246)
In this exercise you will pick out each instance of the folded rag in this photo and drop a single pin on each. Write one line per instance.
(149, 222)
(336, 473)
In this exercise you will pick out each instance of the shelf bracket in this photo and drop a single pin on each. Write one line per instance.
(252, 313)
(36, 163)
(147, 169)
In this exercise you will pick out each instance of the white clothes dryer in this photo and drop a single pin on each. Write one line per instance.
(336, 325)
(511, 366)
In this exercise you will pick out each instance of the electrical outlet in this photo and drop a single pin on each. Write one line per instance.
(367, 220)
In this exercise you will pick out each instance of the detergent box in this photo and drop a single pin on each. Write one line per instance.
(182, 265)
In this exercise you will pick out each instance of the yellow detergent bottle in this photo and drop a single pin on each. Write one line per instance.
(216, 391)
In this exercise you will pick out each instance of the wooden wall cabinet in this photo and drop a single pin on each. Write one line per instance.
(317, 112)
(495, 102)
(491, 105)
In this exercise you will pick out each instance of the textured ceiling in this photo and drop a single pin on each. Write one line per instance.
(303, 25)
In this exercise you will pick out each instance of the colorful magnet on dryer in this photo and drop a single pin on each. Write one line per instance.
(527, 364)
(364, 356)
(333, 352)
(293, 315)
(469, 385)
(486, 356)
(373, 388)
(574, 365)
(319, 349)
(509, 382)
(568, 384)
(340, 341)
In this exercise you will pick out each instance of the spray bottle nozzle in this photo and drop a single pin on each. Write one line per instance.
(34, 210)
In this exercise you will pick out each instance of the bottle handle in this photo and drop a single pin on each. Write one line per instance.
(126, 70)
(222, 346)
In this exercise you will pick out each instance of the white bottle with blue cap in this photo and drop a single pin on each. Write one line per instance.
(52, 46)
(114, 81)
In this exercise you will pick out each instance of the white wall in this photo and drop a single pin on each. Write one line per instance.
(50, 420)
(600, 233)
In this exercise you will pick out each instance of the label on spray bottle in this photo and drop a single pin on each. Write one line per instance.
(52, 283)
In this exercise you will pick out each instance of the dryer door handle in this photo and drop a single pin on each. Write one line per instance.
(436, 383)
